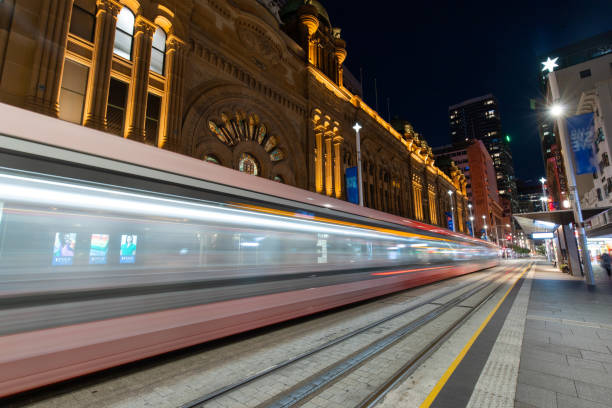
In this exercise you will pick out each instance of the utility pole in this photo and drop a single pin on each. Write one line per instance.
(571, 178)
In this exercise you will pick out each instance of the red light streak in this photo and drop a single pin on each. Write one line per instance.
(407, 271)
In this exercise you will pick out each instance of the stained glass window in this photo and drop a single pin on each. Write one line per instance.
(277, 155)
(279, 179)
(248, 164)
(211, 159)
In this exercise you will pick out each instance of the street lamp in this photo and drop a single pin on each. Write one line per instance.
(450, 193)
(545, 205)
(471, 219)
(357, 127)
(484, 221)
(557, 110)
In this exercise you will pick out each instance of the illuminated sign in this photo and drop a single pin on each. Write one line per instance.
(542, 235)
(550, 64)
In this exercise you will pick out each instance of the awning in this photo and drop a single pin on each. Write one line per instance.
(561, 217)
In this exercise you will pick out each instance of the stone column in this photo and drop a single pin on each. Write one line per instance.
(98, 82)
(319, 159)
(329, 177)
(48, 62)
(308, 17)
(173, 105)
(137, 100)
(337, 166)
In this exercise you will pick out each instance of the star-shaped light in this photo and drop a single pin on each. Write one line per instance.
(550, 64)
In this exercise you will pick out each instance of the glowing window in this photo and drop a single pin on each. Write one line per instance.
(124, 34)
(158, 51)
(248, 164)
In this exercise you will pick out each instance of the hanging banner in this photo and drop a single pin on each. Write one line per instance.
(470, 228)
(352, 187)
(449, 220)
(581, 131)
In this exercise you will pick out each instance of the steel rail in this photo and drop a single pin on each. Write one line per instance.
(240, 383)
(347, 365)
(413, 364)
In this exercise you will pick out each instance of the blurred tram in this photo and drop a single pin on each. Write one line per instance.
(113, 251)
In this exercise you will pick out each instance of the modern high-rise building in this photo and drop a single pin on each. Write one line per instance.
(479, 118)
(473, 160)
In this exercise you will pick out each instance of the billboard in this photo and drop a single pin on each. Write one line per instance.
(582, 136)
(352, 185)
(542, 235)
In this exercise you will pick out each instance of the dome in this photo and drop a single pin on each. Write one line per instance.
(292, 6)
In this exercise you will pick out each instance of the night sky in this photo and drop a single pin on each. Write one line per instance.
(428, 55)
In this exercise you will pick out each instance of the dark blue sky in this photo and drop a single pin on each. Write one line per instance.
(429, 55)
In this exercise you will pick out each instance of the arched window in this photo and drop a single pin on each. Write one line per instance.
(211, 159)
(124, 34)
(158, 51)
(248, 164)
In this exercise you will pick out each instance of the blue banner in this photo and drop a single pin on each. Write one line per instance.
(582, 133)
(352, 187)
(449, 220)
(470, 227)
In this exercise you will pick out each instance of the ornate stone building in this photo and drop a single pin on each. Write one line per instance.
(252, 85)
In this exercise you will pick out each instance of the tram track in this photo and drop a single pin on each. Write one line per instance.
(306, 388)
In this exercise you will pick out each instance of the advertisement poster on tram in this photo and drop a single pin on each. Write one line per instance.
(128, 248)
(63, 248)
(98, 249)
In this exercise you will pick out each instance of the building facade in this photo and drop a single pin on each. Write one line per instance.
(586, 88)
(257, 86)
(479, 118)
(582, 80)
(473, 160)
(530, 196)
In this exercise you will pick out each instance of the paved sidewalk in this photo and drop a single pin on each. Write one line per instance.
(566, 356)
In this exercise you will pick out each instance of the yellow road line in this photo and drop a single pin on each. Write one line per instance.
(442, 381)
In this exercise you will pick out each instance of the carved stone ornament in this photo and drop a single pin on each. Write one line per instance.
(240, 127)
(258, 42)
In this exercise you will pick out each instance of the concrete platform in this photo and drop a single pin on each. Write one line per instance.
(549, 345)
(566, 355)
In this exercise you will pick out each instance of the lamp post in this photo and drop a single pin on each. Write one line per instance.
(484, 221)
(471, 219)
(357, 127)
(544, 197)
(557, 111)
(450, 193)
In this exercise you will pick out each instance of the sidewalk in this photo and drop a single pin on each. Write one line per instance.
(566, 358)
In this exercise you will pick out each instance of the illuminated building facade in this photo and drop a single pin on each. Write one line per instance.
(258, 86)
(479, 118)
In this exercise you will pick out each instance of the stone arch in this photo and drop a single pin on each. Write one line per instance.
(211, 100)
(134, 6)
